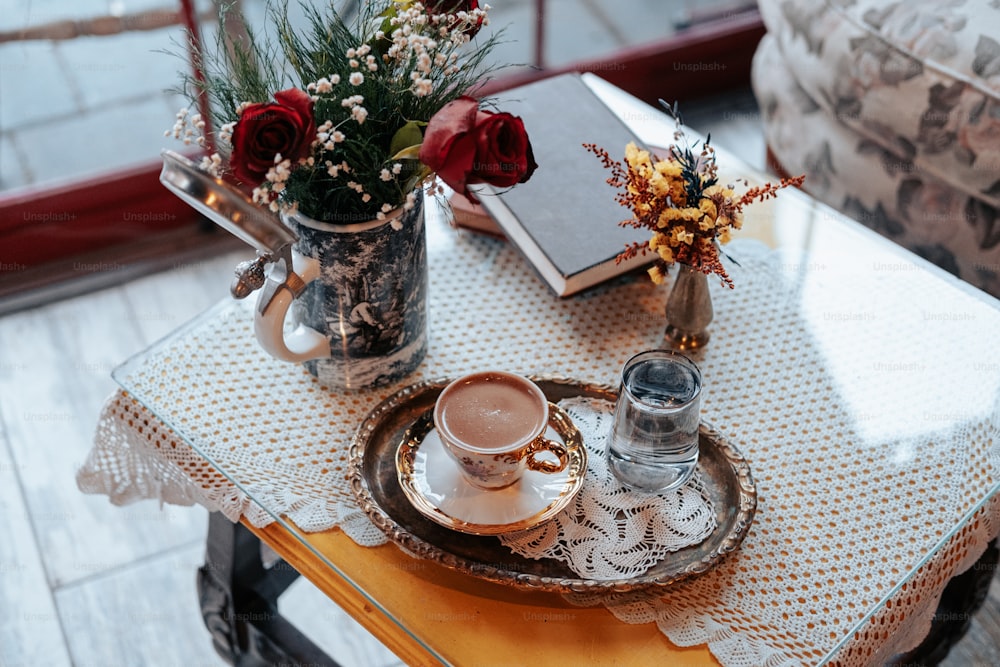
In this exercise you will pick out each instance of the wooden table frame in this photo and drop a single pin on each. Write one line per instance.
(239, 601)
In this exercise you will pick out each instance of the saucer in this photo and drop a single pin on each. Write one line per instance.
(433, 483)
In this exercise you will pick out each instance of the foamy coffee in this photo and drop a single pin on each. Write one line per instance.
(492, 410)
(491, 424)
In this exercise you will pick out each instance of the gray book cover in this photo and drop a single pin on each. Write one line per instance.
(565, 218)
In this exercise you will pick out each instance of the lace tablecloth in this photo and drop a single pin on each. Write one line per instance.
(861, 468)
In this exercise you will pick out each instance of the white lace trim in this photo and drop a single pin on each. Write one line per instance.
(608, 531)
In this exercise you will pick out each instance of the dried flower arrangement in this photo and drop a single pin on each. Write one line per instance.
(679, 199)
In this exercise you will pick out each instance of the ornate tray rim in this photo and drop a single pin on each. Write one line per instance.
(360, 486)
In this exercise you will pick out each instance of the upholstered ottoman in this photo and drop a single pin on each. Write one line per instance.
(892, 109)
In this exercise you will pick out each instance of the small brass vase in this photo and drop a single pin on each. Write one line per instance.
(689, 310)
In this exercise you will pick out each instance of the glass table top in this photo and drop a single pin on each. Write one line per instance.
(836, 348)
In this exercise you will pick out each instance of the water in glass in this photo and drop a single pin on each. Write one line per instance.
(654, 439)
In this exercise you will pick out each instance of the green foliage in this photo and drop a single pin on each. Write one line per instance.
(251, 70)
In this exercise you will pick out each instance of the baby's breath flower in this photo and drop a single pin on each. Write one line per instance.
(212, 164)
(357, 78)
(385, 175)
(226, 132)
(397, 167)
(423, 87)
(359, 114)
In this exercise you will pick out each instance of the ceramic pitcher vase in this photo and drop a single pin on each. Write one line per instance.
(361, 318)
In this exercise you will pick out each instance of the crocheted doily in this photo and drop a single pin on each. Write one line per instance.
(869, 439)
(609, 531)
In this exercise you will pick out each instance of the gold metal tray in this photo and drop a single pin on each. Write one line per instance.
(373, 477)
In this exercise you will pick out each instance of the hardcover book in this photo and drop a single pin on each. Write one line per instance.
(564, 220)
(466, 214)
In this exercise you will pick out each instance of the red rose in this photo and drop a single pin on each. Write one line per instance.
(435, 7)
(286, 127)
(466, 145)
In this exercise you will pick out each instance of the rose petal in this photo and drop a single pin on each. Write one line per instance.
(457, 168)
(286, 127)
(448, 124)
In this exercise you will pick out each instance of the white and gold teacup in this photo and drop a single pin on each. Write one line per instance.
(492, 424)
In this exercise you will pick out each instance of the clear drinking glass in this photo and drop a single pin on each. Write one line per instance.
(654, 438)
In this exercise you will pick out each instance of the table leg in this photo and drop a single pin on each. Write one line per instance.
(239, 602)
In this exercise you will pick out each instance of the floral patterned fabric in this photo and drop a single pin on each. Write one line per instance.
(893, 111)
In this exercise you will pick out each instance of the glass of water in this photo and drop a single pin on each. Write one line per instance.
(654, 438)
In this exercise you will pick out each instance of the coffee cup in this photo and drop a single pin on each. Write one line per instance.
(492, 424)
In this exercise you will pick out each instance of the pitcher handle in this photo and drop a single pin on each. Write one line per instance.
(281, 288)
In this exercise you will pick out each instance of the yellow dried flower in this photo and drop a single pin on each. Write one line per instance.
(680, 201)
(680, 235)
(669, 216)
(707, 206)
(669, 169)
